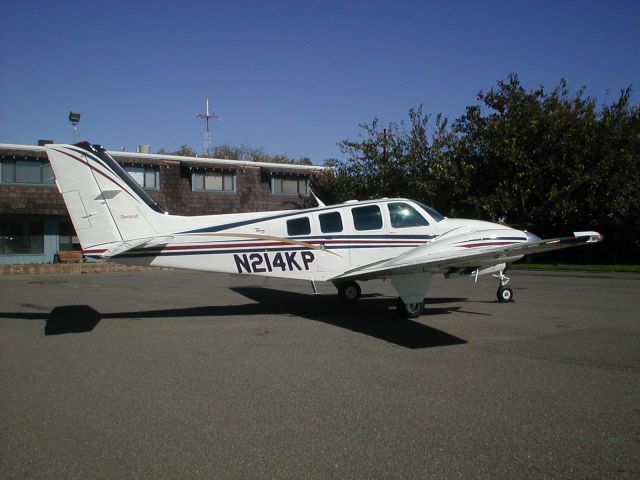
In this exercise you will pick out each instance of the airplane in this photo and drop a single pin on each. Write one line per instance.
(398, 239)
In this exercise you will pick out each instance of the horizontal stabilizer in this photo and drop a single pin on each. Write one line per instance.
(140, 243)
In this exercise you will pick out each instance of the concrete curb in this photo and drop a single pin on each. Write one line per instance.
(62, 268)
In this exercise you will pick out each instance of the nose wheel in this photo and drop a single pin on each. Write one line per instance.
(504, 293)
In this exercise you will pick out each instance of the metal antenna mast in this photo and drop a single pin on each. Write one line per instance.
(207, 133)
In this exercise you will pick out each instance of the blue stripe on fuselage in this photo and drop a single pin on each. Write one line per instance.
(158, 253)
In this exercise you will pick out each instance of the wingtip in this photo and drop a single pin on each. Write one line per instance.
(593, 237)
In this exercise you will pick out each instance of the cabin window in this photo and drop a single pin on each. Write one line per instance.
(27, 171)
(213, 181)
(436, 215)
(367, 218)
(298, 226)
(147, 176)
(285, 185)
(330, 222)
(404, 215)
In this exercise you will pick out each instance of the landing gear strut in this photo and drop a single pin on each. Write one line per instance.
(349, 292)
(409, 310)
(504, 293)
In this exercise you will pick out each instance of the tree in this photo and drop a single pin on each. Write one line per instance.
(391, 160)
(550, 159)
(534, 158)
(251, 154)
(183, 151)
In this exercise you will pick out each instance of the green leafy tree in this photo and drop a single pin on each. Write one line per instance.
(183, 151)
(549, 159)
(533, 158)
(251, 154)
(392, 160)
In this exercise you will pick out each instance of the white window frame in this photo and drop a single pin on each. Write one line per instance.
(45, 175)
(228, 180)
(135, 169)
(278, 185)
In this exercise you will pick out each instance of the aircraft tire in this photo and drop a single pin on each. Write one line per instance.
(411, 310)
(505, 294)
(349, 292)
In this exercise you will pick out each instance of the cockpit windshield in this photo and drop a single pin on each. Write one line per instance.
(436, 215)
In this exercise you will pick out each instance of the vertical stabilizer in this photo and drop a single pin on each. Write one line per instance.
(105, 204)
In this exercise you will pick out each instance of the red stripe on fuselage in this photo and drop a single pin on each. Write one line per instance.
(487, 244)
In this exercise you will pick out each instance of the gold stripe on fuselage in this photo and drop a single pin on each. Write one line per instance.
(255, 236)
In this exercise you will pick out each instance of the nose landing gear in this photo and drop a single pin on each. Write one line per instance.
(504, 293)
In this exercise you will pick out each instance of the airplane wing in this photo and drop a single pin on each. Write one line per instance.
(435, 258)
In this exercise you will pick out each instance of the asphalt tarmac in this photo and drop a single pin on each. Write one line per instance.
(190, 375)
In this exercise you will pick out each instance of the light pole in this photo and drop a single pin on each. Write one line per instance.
(74, 118)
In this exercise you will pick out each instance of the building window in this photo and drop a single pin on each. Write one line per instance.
(19, 237)
(26, 171)
(213, 181)
(367, 218)
(68, 238)
(147, 176)
(298, 226)
(286, 185)
(330, 222)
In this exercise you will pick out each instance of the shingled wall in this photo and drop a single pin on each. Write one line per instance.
(29, 199)
(253, 190)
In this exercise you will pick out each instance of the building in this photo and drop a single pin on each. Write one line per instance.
(34, 225)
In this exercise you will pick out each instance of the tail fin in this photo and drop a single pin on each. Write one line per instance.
(107, 207)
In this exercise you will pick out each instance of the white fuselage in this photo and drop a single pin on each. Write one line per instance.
(312, 244)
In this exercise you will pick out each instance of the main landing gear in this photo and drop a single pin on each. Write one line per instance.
(504, 293)
(409, 310)
(350, 292)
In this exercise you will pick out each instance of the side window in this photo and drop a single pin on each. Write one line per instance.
(20, 237)
(330, 222)
(298, 226)
(29, 171)
(213, 181)
(284, 185)
(367, 218)
(404, 215)
(147, 176)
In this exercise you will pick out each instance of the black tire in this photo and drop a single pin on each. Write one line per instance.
(411, 310)
(349, 292)
(505, 294)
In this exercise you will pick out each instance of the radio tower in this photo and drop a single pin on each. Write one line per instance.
(207, 133)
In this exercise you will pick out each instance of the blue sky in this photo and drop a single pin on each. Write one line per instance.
(293, 77)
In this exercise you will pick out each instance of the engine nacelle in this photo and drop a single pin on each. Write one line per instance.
(492, 269)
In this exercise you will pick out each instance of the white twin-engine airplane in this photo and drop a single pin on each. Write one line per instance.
(402, 240)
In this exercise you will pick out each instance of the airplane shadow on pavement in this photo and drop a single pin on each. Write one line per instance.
(372, 315)
(71, 319)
